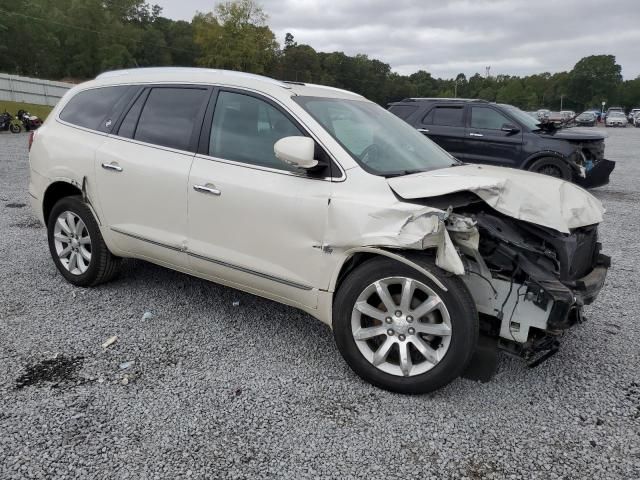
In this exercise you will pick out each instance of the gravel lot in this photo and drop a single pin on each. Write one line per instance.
(259, 389)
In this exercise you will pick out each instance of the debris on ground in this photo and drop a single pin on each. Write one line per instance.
(126, 365)
(236, 303)
(110, 341)
(147, 316)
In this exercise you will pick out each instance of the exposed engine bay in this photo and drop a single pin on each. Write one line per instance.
(529, 282)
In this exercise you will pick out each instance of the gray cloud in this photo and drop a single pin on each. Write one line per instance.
(446, 37)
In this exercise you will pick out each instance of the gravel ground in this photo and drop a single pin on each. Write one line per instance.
(259, 390)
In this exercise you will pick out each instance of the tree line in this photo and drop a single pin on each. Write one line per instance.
(78, 39)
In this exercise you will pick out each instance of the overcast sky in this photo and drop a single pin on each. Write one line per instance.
(446, 37)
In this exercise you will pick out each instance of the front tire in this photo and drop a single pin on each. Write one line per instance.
(15, 128)
(552, 166)
(399, 331)
(76, 244)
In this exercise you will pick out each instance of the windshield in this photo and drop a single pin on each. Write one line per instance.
(522, 117)
(378, 140)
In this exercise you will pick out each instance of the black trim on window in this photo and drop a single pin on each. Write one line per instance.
(145, 90)
(203, 147)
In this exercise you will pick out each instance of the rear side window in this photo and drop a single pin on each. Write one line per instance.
(245, 129)
(91, 108)
(447, 116)
(487, 118)
(169, 116)
(403, 111)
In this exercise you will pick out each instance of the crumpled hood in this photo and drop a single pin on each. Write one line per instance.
(528, 196)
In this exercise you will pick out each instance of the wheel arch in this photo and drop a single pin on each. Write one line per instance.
(54, 192)
(544, 154)
(357, 256)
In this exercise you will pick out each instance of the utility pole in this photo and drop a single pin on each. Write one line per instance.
(455, 89)
(561, 97)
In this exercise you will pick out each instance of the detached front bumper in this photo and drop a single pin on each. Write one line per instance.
(568, 311)
(598, 175)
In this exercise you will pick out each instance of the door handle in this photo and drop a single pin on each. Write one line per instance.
(208, 188)
(423, 130)
(112, 166)
(473, 134)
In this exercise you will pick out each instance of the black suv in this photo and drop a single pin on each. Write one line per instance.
(477, 131)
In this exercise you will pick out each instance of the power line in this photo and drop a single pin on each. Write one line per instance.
(45, 20)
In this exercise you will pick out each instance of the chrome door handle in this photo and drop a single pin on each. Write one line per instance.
(208, 188)
(472, 134)
(111, 166)
(423, 130)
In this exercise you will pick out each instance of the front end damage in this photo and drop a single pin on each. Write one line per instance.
(526, 246)
(529, 282)
(590, 167)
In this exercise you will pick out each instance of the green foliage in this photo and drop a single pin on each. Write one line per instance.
(78, 39)
(41, 111)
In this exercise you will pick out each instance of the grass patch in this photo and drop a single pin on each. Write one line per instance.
(12, 107)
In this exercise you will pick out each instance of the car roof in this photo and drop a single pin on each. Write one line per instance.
(436, 99)
(229, 78)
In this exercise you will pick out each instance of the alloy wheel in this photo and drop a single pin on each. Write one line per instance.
(72, 243)
(401, 326)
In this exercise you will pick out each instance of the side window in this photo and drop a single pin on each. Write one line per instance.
(482, 117)
(169, 116)
(90, 108)
(245, 128)
(128, 126)
(403, 111)
(447, 116)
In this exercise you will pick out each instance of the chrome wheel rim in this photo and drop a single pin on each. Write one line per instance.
(72, 243)
(401, 326)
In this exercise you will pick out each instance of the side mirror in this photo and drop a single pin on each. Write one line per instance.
(509, 127)
(296, 151)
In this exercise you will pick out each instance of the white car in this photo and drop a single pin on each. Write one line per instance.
(632, 115)
(320, 199)
(616, 119)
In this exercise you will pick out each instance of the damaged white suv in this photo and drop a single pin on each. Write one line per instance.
(317, 198)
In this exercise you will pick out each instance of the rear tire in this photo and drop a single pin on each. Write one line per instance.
(76, 244)
(552, 166)
(15, 128)
(409, 351)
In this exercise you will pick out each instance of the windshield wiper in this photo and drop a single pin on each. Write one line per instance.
(401, 173)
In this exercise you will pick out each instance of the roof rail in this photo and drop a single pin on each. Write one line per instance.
(419, 99)
(160, 70)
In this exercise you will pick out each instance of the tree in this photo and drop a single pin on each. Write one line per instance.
(596, 77)
(236, 37)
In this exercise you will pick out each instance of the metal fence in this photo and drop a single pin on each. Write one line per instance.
(14, 88)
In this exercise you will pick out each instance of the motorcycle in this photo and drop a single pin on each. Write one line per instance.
(30, 122)
(8, 122)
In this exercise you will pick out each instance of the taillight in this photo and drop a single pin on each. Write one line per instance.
(31, 137)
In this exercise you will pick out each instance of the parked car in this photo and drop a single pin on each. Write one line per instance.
(567, 116)
(611, 110)
(636, 119)
(543, 114)
(586, 119)
(477, 131)
(616, 119)
(632, 114)
(317, 198)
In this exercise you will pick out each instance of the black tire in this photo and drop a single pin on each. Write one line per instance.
(103, 266)
(463, 317)
(15, 128)
(552, 166)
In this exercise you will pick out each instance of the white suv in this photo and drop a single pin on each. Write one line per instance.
(316, 198)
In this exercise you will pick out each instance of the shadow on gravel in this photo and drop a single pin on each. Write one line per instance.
(614, 195)
(30, 223)
(16, 205)
(57, 370)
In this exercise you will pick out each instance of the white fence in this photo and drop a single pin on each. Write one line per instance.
(14, 88)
